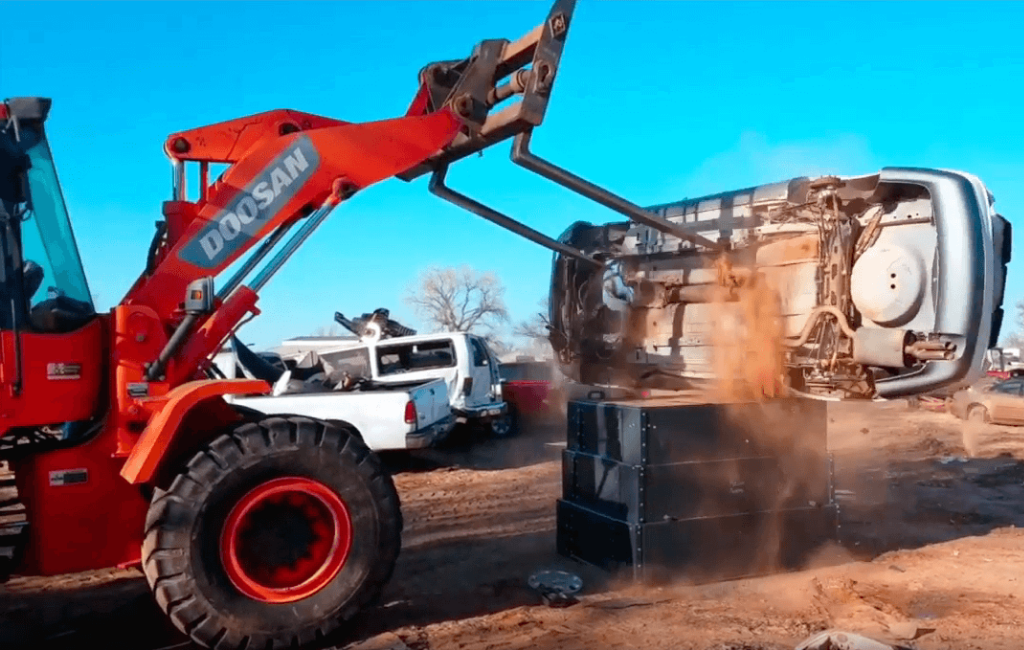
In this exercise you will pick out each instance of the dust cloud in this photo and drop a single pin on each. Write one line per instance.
(791, 485)
(747, 358)
(747, 337)
(971, 432)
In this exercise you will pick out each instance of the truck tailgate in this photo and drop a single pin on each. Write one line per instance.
(431, 400)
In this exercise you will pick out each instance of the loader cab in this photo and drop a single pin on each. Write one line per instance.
(54, 345)
(43, 278)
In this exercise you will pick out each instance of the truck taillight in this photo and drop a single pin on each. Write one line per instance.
(410, 412)
(467, 385)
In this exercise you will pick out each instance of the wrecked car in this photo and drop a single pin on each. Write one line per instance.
(882, 286)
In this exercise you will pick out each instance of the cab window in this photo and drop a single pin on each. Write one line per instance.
(354, 362)
(47, 239)
(480, 356)
(413, 357)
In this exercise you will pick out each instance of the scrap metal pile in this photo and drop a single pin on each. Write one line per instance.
(375, 325)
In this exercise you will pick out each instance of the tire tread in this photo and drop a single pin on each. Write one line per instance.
(164, 562)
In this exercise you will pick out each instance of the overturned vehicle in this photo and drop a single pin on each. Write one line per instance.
(875, 286)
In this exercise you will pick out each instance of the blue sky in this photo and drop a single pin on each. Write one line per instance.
(658, 101)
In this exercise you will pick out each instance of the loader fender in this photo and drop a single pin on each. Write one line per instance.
(171, 412)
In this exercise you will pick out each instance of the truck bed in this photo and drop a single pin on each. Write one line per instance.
(379, 413)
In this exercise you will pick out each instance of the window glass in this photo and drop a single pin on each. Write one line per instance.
(512, 372)
(413, 357)
(354, 362)
(525, 371)
(479, 352)
(47, 238)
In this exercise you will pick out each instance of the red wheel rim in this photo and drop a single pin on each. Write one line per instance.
(285, 540)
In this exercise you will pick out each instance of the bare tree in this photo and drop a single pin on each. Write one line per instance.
(460, 300)
(534, 329)
(497, 344)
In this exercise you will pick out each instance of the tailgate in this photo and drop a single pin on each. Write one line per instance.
(431, 400)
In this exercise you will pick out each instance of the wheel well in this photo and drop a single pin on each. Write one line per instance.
(249, 414)
(253, 415)
(184, 448)
(186, 415)
(347, 425)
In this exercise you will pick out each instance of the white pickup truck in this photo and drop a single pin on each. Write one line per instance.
(462, 360)
(387, 416)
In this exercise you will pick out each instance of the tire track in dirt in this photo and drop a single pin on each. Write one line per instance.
(463, 505)
(472, 538)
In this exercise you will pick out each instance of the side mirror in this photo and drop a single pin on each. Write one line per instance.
(199, 296)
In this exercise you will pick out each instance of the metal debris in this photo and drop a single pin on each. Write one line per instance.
(377, 324)
(556, 588)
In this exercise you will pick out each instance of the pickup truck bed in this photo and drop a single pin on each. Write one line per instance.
(393, 416)
(380, 414)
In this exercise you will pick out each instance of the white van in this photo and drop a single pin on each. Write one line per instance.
(463, 360)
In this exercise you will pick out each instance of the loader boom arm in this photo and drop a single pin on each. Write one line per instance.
(288, 168)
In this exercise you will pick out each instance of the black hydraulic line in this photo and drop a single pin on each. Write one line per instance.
(438, 188)
(154, 371)
(522, 156)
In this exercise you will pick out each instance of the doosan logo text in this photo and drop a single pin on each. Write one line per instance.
(259, 201)
(250, 208)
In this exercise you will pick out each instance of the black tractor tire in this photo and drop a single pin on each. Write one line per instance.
(188, 526)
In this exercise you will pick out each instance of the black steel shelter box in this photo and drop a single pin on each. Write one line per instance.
(706, 491)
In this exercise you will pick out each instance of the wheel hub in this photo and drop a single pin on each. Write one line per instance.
(501, 425)
(285, 540)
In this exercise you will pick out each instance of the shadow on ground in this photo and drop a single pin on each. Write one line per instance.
(484, 576)
(913, 504)
(118, 613)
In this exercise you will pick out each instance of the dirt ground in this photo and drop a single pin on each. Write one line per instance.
(929, 557)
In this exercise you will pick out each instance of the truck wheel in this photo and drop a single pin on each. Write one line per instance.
(505, 426)
(273, 535)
